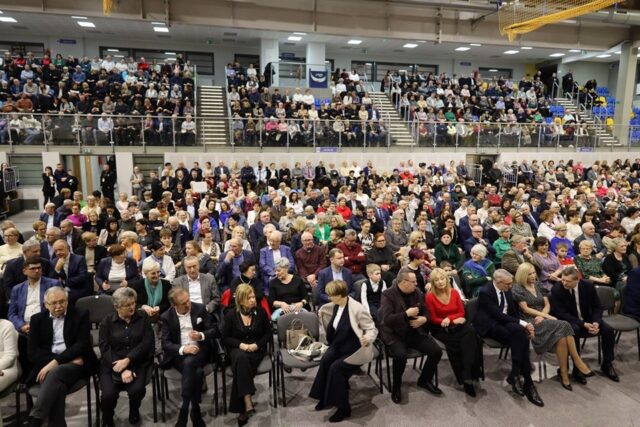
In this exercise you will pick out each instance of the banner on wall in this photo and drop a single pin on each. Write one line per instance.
(318, 79)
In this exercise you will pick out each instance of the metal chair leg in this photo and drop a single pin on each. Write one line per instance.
(215, 391)
(18, 391)
(599, 355)
(89, 402)
(154, 388)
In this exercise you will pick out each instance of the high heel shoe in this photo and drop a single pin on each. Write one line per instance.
(243, 419)
(564, 386)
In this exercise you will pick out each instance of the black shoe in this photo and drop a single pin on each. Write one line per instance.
(566, 386)
(134, 417)
(469, 389)
(516, 385)
(609, 371)
(396, 396)
(183, 417)
(430, 387)
(340, 415)
(196, 417)
(320, 407)
(579, 377)
(532, 394)
(243, 419)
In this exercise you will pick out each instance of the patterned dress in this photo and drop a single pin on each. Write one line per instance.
(547, 332)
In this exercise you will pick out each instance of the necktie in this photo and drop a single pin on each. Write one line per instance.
(501, 306)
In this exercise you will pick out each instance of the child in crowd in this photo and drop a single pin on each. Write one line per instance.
(371, 291)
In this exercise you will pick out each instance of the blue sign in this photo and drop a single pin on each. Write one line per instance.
(585, 149)
(66, 41)
(287, 55)
(318, 79)
(326, 149)
(465, 64)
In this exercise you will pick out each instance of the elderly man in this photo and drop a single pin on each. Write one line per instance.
(71, 235)
(477, 237)
(202, 287)
(187, 333)
(310, 259)
(180, 234)
(60, 348)
(13, 269)
(497, 318)
(518, 254)
(403, 321)
(50, 216)
(589, 233)
(354, 258)
(335, 271)
(256, 231)
(229, 262)
(71, 270)
(270, 254)
(52, 235)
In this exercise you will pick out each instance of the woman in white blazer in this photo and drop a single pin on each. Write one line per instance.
(9, 367)
(350, 333)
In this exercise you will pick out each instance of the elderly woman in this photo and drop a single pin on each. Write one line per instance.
(287, 293)
(206, 263)
(545, 229)
(449, 325)
(238, 232)
(127, 348)
(115, 271)
(92, 206)
(245, 334)
(167, 267)
(477, 271)
(521, 228)
(350, 333)
(133, 249)
(11, 249)
(502, 244)
(551, 334)
(382, 255)
(589, 265)
(396, 237)
(547, 262)
(92, 223)
(152, 290)
(40, 229)
(616, 265)
(91, 251)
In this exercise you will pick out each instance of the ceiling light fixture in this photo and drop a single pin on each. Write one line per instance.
(526, 48)
(475, 44)
(157, 23)
(462, 49)
(294, 38)
(161, 29)
(511, 52)
(7, 19)
(79, 17)
(86, 24)
(604, 55)
(574, 50)
(354, 42)
(113, 50)
(410, 45)
(300, 34)
(170, 53)
(556, 55)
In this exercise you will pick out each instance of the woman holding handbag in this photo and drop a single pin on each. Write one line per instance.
(350, 334)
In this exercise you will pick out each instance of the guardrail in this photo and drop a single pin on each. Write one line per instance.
(85, 131)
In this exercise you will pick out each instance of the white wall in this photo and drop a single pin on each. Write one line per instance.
(583, 71)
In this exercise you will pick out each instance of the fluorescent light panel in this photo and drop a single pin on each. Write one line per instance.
(7, 19)
(493, 70)
(113, 50)
(526, 48)
(86, 24)
(79, 17)
(294, 38)
(300, 34)
(475, 44)
(157, 23)
(511, 52)
(604, 55)
(462, 49)
(574, 50)
(556, 55)
(410, 45)
(354, 42)
(170, 53)
(161, 29)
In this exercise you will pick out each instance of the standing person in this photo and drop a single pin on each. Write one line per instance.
(246, 333)
(127, 348)
(403, 317)
(497, 318)
(350, 334)
(107, 181)
(48, 185)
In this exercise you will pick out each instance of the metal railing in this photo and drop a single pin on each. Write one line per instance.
(83, 131)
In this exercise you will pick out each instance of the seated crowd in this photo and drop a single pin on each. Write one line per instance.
(468, 110)
(421, 246)
(95, 101)
(267, 117)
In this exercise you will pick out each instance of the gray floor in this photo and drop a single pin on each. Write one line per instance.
(600, 403)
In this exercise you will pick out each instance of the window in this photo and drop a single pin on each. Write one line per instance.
(489, 73)
(147, 164)
(16, 48)
(377, 70)
(29, 168)
(202, 60)
(245, 60)
(117, 53)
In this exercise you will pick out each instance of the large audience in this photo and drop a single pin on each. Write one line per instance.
(95, 100)
(393, 261)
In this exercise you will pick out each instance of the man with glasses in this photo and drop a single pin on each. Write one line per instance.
(477, 237)
(403, 320)
(60, 348)
(577, 302)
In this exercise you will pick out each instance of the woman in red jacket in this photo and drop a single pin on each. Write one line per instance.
(449, 326)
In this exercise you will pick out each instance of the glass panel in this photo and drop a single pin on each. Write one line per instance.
(30, 168)
(490, 73)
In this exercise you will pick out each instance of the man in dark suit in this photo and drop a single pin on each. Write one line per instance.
(577, 302)
(403, 325)
(60, 349)
(529, 219)
(589, 233)
(497, 318)
(180, 234)
(335, 271)
(50, 217)
(53, 234)
(229, 263)
(220, 170)
(71, 270)
(477, 238)
(187, 334)
(72, 235)
(107, 181)
(13, 274)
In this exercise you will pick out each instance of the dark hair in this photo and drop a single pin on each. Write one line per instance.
(246, 265)
(540, 241)
(154, 246)
(31, 261)
(116, 249)
(143, 221)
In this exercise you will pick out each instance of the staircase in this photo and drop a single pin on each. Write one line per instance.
(212, 108)
(603, 137)
(400, 134)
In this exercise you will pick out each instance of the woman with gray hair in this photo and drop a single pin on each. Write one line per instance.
(152, 291)
(287, 293)
(126, 345)
(477, 271)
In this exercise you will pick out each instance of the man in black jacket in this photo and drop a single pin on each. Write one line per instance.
(60, 349)
(577, 302)
(13, 274)
(187, 334)
(107, 182)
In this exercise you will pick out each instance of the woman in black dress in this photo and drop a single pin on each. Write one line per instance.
(247, 331)
(248, 276)
(48, 185)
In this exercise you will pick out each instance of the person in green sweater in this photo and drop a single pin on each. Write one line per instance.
(502, 244)
(477, 271)
(448, 251)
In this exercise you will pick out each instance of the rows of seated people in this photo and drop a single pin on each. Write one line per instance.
(470, 110)
(265, 116)
(75, 94)
(282, 243)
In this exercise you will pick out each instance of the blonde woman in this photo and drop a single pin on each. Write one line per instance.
(133, 249)
(238, 232)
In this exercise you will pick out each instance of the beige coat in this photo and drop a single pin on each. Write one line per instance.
(362, 325)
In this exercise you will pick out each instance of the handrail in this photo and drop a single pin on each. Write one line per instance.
(555, 90)
(226, 101)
